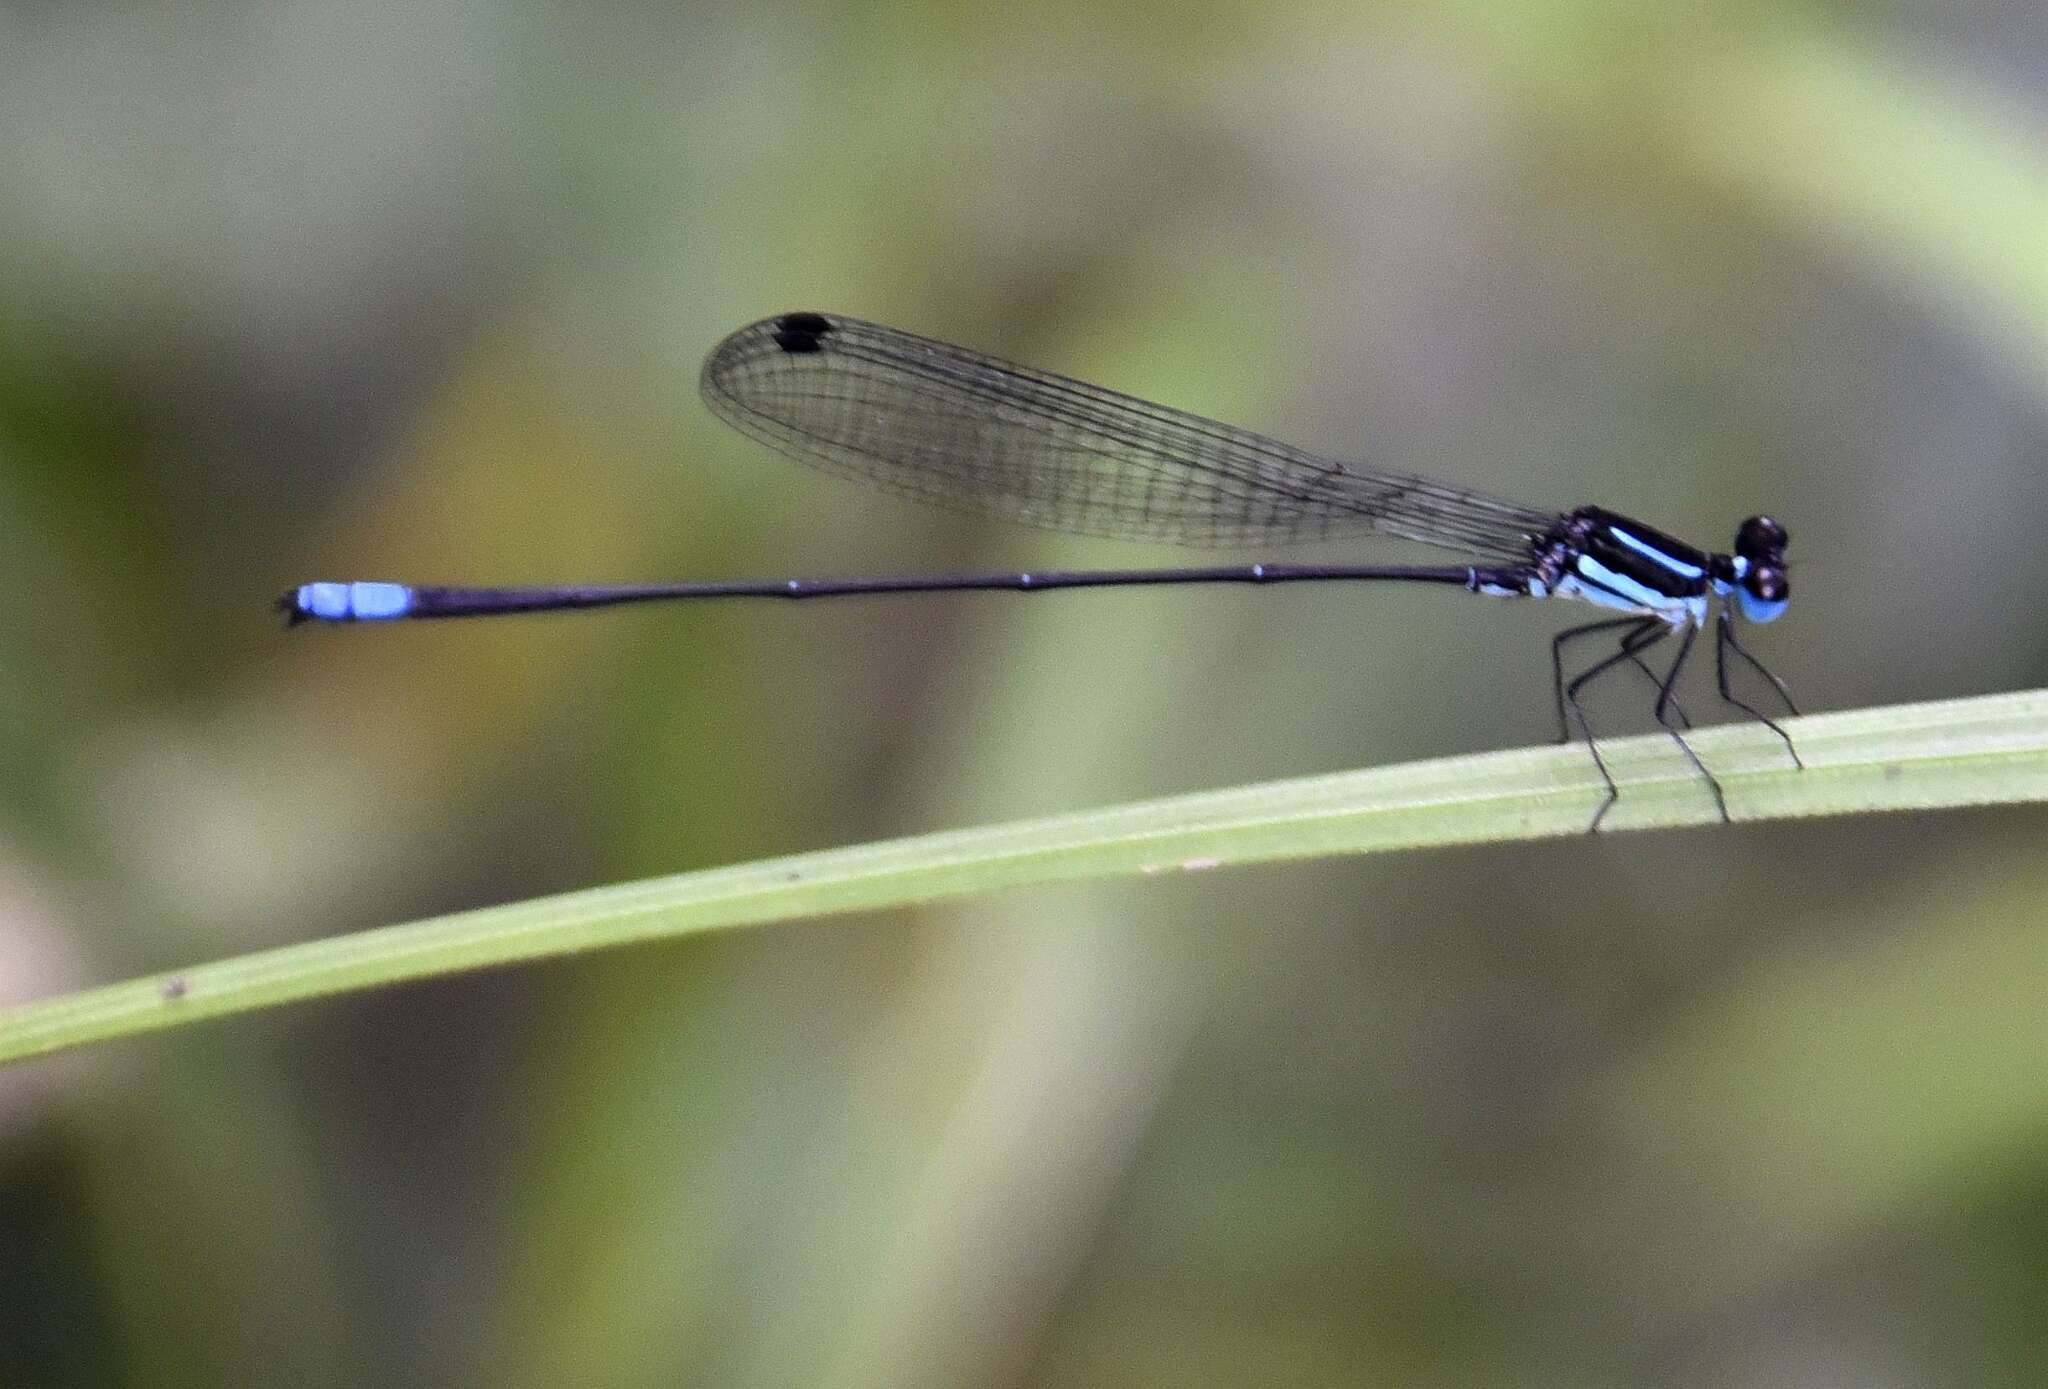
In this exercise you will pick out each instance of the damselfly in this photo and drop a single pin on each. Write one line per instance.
(942, 424)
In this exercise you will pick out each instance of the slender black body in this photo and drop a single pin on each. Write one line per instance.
(941, 424)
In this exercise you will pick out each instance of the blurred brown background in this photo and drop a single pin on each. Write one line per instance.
(418, 291)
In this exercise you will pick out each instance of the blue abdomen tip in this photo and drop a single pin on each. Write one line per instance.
(359, 602)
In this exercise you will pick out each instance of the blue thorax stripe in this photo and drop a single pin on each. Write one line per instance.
(1645, 548)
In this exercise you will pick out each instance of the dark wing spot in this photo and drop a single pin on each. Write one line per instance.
(802, 333)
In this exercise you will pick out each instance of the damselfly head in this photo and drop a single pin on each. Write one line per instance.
(1764, 589)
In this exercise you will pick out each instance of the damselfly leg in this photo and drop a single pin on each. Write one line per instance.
(1557, 645)
(1725, 642)
(1641, 634)
(1667, 707)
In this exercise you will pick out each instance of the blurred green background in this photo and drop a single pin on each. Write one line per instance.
(419, 291)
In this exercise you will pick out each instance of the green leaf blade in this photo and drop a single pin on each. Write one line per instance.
(1983, 751)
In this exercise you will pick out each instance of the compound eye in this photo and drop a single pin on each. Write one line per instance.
(1765, 592)
(1760, 538)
